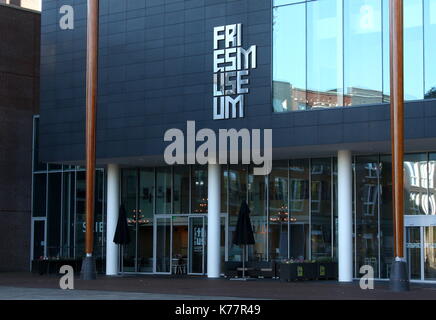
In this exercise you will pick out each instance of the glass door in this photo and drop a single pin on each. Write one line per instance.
(421, 252)
(39, 245)
(197, 244)
(180, 245)
(162, 248)
(414, 247)
(429, 253)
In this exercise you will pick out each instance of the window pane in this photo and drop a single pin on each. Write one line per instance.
(413, 50)
(386, 54)
(430, 48)
(324, 54)
(80, 214)
(237, 193)
(99, 224)
(54, 213)
(199, 189)
(362, 52)
(432, 184)
(39, 194)
(163, 190)
(67, 214)
(367, 194)
(415, 184)
(289, 60)
(386, 216)
(278, 211)
(181, 189)
(145, 223)
(321, 199)
(128, 199)
(256, 203)
(299, 241)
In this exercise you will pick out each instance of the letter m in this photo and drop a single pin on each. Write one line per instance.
(234, 136)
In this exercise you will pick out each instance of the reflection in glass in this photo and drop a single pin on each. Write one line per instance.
(386, 217)
(256, 203)
(430, 253)
(278, 211)
(181, 189)
(432, 184)
(128, 199)
(145, 220)
(386, 52)
(99, 221)
(413, 247)
(163, 245)
(80, 214)
(415, 184)
(413, 50)
(299, 241)
(324, 54)
(163, 190)
(362, 52)
(67, 244)
(430, 48)
(367, 197)
(237, 176)
(321, 208)
(54, 212)
(289, 67)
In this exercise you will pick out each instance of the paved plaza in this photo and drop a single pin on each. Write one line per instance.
(151, 287)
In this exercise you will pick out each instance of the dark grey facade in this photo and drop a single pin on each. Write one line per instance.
(19, 100)
(156, 73)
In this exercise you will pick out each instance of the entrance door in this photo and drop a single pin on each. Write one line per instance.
(162, 245)
(39, 243)
(414, 252)
(197, 237)
(429, 253)
(421, 252)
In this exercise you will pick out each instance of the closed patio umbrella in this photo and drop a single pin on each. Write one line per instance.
(244, 232)
(122, 235)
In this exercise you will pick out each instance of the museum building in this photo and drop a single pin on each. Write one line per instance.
(314, 72)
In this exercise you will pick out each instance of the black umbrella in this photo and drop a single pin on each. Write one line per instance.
(244, 233)
(122, 235)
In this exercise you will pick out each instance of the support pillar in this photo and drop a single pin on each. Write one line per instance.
(213, 221)
(345, 216)
(113, 205)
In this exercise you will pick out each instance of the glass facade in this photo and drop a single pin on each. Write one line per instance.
(58, 209)
(373, 227)
(292, 209)
(293, 213)
(323, 49)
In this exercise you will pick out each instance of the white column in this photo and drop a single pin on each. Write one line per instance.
(213, 221)
(113, 205)
(345, 216)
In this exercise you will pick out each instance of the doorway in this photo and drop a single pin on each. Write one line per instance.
(421, 248)
(39, 238)
(180, 245)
